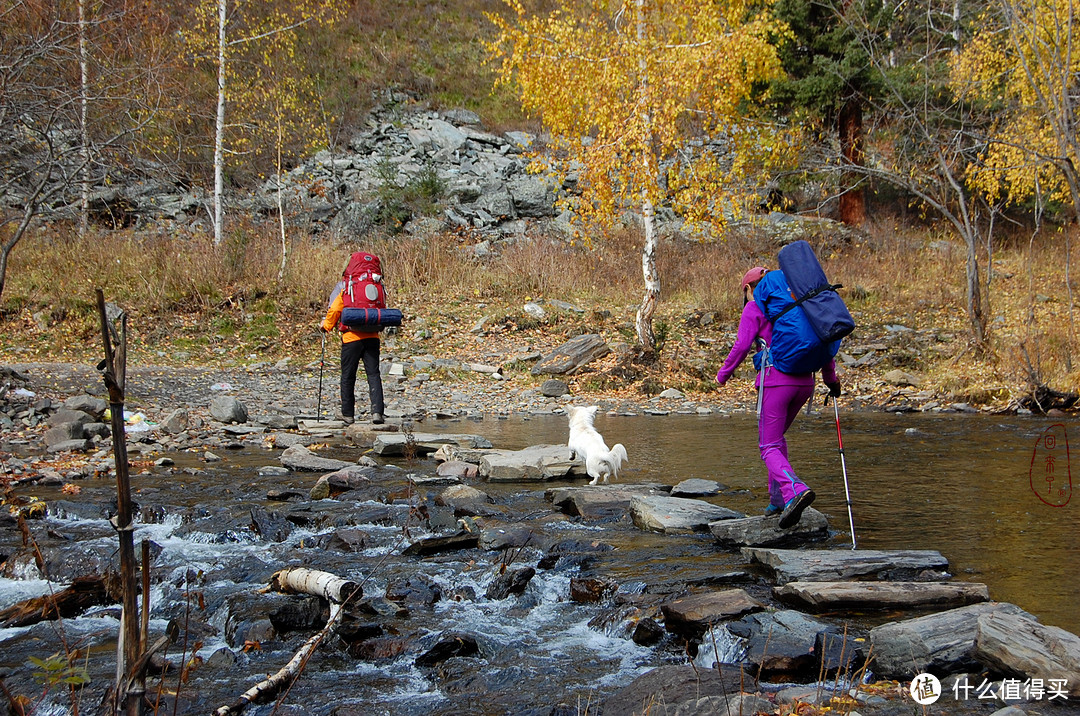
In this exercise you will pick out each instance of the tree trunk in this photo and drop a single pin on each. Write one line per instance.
(281, 206)
(975, 312)
(84, 89)
(852, 197)
(300, 580)
(643, 322)
(115, 378)
(304, 581)
(219, 128)
(646, 337)
(271, 686)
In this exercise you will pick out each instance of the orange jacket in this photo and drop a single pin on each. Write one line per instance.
(333, 316)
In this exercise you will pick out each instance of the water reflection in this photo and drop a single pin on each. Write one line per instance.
(957, 484)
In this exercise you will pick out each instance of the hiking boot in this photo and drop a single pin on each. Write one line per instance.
(794, 508)
(378, 418)
(773, 510)
(347, 419)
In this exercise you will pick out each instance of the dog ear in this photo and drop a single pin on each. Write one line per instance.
(592, 409)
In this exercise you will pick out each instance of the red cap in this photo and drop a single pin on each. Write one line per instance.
(753, 275)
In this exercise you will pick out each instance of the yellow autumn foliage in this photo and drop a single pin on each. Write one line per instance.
(645, 100)
(1023, 63)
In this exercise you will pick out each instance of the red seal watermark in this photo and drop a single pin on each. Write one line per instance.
(1050, 474)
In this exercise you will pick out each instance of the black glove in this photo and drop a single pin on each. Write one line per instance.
(834, 389)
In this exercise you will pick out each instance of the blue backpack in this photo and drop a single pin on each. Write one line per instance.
(809, 318)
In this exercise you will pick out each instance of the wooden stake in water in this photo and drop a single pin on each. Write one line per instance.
(129, 694)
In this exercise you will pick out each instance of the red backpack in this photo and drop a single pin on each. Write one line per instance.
(364, 297)
(363, 282)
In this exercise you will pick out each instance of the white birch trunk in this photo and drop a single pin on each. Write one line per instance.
(270, 687)
(219, 128)
(281, 208)
(84, 89)
(643, 321)
(645, 312)
(300, 580)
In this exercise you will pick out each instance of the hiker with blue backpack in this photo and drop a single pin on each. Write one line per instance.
(358, 309)
(795, 321)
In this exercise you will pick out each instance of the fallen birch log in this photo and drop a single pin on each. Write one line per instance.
(299, 580)
(270, 687)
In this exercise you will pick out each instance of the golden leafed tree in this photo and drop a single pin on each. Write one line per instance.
(645, 99)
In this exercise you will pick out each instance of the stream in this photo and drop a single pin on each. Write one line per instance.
(962, 485)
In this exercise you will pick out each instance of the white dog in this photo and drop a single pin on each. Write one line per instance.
(589, 445)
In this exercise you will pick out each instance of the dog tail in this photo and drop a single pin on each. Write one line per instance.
(615, 458)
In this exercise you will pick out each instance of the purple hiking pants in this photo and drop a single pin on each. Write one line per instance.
(780, 404)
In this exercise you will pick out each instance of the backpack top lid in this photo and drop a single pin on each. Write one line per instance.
(364, 263)
(801, 268)
(817, 298)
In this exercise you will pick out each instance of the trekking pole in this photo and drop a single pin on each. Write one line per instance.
(843, 466)
(322, 360)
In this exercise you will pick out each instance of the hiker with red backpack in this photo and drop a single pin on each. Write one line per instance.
(358, 310)
(796, 329)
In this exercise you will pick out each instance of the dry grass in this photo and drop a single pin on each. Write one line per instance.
(193, 301)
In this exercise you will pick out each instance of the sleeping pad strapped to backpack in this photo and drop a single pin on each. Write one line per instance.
(809, 318)
(363, 296)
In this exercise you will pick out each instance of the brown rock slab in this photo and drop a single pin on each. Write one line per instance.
(697, 612)
(881, 595)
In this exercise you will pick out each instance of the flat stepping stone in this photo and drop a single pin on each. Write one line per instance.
(696, 612)
(394, 444)
(881, 595)
(301, 459)
(598, 501)
(243, 430)
(313, 424)
(539, 462)
(696, 487)
(790, 565)
(764, 531)
(676, 515)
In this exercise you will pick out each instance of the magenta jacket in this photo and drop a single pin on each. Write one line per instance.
(753, 325)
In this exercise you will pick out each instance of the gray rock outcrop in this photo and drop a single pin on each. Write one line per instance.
(1018, 645)
(790, 565)
(881, 595)
(942, 643)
